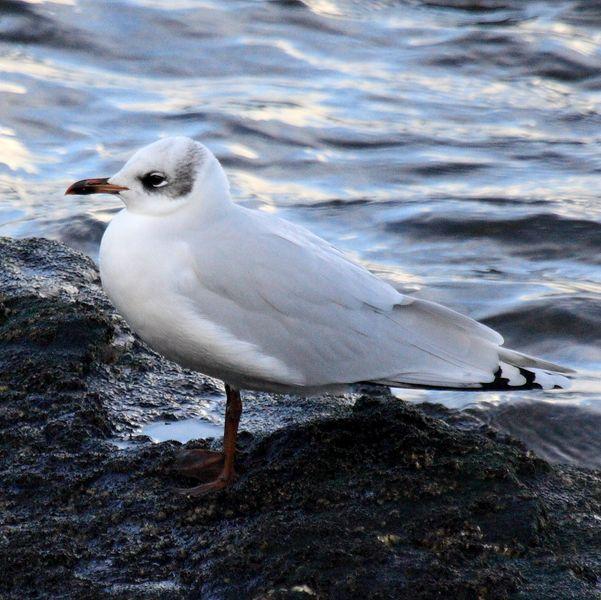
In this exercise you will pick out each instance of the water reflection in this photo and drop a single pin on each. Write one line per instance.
(181, 431)
(14, 154)
(454, 149)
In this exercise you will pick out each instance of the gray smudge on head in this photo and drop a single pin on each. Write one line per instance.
(181, 181)
(185, 173)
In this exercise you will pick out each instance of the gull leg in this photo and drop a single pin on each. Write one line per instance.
(233, 410)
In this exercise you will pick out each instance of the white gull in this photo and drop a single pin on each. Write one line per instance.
(261, 303)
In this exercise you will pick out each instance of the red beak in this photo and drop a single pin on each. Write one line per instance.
(94, 186)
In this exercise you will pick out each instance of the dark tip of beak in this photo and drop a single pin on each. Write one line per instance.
(94, 186)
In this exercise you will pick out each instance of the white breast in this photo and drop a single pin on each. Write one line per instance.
(149, 277)
(134, 274)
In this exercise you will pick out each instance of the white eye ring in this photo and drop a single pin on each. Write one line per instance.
(157, 174)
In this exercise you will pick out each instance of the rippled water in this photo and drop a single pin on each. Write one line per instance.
(454, 147)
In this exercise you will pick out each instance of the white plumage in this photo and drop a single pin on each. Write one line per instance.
(262, 303)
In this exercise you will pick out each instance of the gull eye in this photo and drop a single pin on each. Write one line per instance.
(154, 179)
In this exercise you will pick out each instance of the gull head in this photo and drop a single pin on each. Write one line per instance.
(169, 175)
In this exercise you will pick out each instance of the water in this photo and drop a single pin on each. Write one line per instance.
(182, 431)
(453, 147)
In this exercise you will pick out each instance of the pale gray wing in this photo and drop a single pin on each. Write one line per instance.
(298, 299)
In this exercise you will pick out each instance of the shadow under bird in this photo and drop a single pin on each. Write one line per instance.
(260, 303)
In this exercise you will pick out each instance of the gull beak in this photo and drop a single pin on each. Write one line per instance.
(94, 186)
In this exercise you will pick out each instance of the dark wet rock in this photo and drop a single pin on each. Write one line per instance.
(375, 500)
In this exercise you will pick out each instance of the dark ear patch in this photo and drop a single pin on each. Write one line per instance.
(185, 173)
(181, 181)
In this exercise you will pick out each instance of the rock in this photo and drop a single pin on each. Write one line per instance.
(361, 498)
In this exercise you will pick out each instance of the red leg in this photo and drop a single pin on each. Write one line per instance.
(233, 410)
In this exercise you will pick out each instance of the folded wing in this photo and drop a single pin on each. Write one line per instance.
(298, 299)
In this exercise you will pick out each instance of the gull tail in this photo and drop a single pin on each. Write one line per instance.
(450, 351)
(521, 371)
(515, 371)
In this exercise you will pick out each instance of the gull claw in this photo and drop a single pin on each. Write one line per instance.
(220, 483)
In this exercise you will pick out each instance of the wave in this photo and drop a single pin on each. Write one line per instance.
(27, 26)
(516, 52)
(568, 318)
(543, 236)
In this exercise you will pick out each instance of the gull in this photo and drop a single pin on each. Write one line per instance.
(263, 304)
